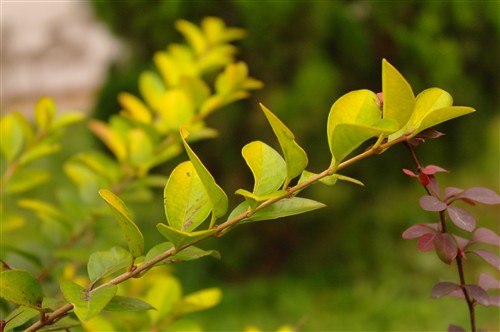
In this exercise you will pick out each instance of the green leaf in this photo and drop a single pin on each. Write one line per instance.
(267, 166)
(132, 234)
(283, 208)
(443, 114)
(187, 254)
(398, 96)
(123, 303)
(12, 139)
(187, 204)
(295, 157)
(18, 317)
(103, 263)
(218, 197)
(200, 300)
(134, 107)
(21, 288)
(87, 304)
(179, 238)
(45, 109)
(354, 118)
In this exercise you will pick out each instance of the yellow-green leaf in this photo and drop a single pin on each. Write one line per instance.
(179, 238)
(44, 112)
(152, 89)
(200, 300)
(267, 166)
(193, 35)
(132, 234)
(354, 118)
(134, 107)
(295, 157)
(218, 197)
(187, 203)
(109, 137)
(397, 93)
(12, 139)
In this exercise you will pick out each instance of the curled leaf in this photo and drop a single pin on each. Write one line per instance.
(446, 247)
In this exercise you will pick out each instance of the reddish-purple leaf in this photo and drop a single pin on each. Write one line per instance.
(433, 186)
(482, 195)
(433, 169)
(455, 328)
(409, 173)
(462, 218)
(452, 191)
(457, 293)
(488, 256)
(431, 203)
(479, 294)
(488, 282)
(424, 179)
(418, 230)
(446, 247)
(486, 236)
(426, 242)
(443, 288)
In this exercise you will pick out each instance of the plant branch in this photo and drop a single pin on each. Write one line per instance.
(136, 272)
(458, 258)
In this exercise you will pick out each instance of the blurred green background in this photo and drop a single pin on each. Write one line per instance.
(344, 267)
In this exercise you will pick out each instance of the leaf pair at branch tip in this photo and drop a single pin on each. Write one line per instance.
(414, 114)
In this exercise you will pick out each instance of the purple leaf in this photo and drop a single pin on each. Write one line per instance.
(443, 288)
(446, 247)
(462, 218)
(488, 256)
(430, 133)
(431, 203)
(482, 195)
(488, 282)
(455, 328)
(486, 236)
(418, 230)
(452, 191)
(426, 242)
(479, 294)
(432, 169)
